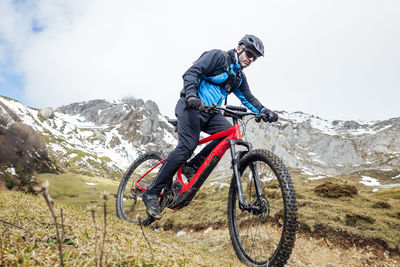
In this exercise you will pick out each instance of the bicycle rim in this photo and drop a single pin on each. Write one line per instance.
(264, 236)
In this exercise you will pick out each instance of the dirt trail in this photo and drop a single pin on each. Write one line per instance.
(308, 251)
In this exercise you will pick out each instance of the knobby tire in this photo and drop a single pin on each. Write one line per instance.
(257, 247)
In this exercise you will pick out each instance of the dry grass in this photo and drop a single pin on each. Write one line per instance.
(371, 216)
(28, 239)
(316, 213)
(365, 220)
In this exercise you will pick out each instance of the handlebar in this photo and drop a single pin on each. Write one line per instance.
(234, 112)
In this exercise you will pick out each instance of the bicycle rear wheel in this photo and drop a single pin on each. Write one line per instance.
(129, 204)
(265, 234)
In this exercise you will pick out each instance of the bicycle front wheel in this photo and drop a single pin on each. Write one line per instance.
(129, 204)
(263, 234)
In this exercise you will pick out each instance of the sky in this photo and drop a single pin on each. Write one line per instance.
(336, 59)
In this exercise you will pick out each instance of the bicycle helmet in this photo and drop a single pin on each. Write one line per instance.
(252, 42)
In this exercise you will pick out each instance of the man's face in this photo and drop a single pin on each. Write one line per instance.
(247, 57)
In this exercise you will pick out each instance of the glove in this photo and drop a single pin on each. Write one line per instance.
(193, 102)
(269, 116)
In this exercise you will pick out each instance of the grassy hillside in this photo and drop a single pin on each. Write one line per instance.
(80, 190)
(366, 220)
(28, 239)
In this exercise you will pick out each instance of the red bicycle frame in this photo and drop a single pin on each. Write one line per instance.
(219, 150)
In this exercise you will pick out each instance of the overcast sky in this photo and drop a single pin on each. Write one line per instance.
(337, 59)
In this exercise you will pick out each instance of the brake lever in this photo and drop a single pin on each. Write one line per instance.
(258, 118)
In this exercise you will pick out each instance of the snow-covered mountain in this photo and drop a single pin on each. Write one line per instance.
(97, 137)
(103, 137)
(318, 146)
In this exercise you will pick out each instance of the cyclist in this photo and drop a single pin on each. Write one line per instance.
(208, 81)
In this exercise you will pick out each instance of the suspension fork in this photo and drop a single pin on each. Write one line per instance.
(257, 181)
(235, 165)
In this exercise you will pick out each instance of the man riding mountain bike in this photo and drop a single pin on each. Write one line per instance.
(208, 81)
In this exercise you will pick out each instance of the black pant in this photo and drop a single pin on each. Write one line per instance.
(190, 123)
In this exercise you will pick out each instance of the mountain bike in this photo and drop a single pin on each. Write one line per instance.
(262, 210)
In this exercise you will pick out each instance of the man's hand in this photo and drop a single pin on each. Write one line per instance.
(269, 116)
(193, 102)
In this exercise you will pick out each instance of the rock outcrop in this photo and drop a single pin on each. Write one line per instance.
(138, 122)
(23, 152)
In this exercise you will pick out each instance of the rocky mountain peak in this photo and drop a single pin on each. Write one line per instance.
(102, 137)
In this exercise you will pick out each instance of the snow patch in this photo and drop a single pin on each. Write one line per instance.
(221, 185)
(316, 178)
(57, 148)
(72, 155)
(11, 171)
(267, 179)
(307, 171)
(181, 233)
(319, 161)
(369, 181)
(330, 127)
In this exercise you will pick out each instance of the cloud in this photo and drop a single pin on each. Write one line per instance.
(335, 59)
